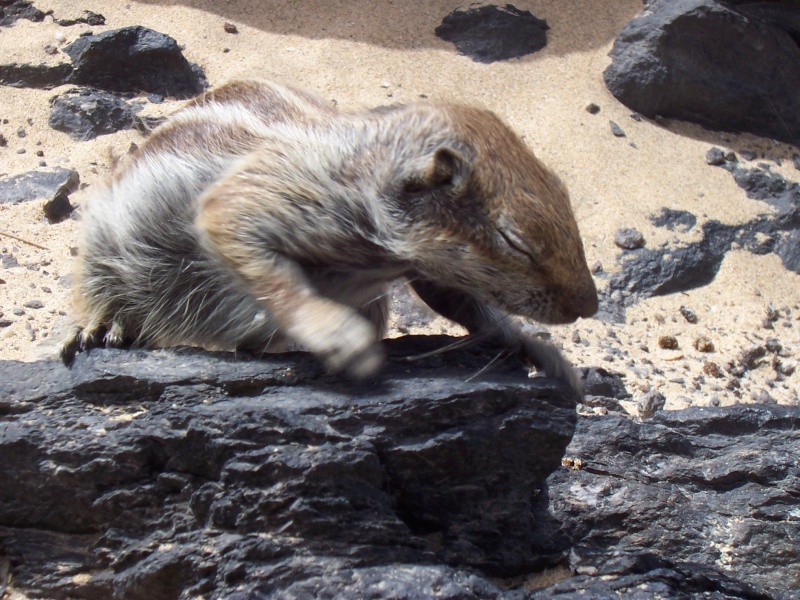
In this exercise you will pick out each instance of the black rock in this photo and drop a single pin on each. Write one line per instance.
(727, 66)
(748, 154)
(267, 475)
(592, 108)
(491, 33)
(599, 382)
(681, 220)
(181, 473)
(13, 10)
(796, 161)
(708, 486)
(715, 156)
(616, 129)
(86, 113)
(655, 272)
(134, 59)
(37, 185)
(58, 208)
(89, 18)
(628, 238)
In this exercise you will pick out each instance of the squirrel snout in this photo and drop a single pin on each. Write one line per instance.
(581, 301)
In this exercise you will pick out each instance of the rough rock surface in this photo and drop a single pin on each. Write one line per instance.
(719, 487)
(131, 60)
(172, 474)
(490, 33)
(134, 59)
(44, 183)
(85, 114)
(731, 66)
(13, 10)
(160, 472)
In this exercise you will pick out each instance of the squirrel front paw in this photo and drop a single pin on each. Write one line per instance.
(343, 339)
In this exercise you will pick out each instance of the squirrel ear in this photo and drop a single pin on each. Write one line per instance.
(446, 171)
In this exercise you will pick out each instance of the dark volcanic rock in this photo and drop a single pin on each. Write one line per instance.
(719, 487)
(628, 238)
(85, 114)
(87, 17)
(13, 10)
(656, 272)
(183, 471)
(490, 33)
(173, 474)
(40, 184)
(729, 66)
(134, 59)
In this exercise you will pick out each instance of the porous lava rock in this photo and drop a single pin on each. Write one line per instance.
(85, 113)
(134, 59)
(129, 60)
(41, 184)
(181, 473)
(731, 66)
(177, 473)
(490, 33)
(719, 487)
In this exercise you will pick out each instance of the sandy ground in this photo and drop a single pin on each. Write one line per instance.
(386, 54)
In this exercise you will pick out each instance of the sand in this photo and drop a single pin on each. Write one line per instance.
(387, 53)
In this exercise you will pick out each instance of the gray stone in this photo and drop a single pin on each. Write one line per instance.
(167, 474)
(730, 66)
(180, 471)
(40, 184)
(85, 114)
(711, 486)
(491, 33)
(13, 10)
(134, 59)
(628, 238)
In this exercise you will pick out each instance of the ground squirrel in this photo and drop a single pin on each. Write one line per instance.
(260, 215)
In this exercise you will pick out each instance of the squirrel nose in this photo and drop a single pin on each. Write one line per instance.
(583, 300)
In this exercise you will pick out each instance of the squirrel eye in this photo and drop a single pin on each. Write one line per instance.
(517, 245)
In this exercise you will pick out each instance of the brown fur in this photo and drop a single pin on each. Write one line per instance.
(260, 214)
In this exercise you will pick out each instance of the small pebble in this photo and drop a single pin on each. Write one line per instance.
(730, 156)
(60, 36)
(636, 116)
(230, 28)
(6, 323)
(796, 161)
(712, 369)
(18, 312)
(703, 344)
(597, 267)
(773, 345)
(628, 238)
(668, 342)
(689, 314)
(21, 151)
(750, 358)
(3, 141)
(747, 154)
(616, 129)
(715, 157)
(40, 153)
(650, 404)
(576, 337)
(593, 109)
(33, 304)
